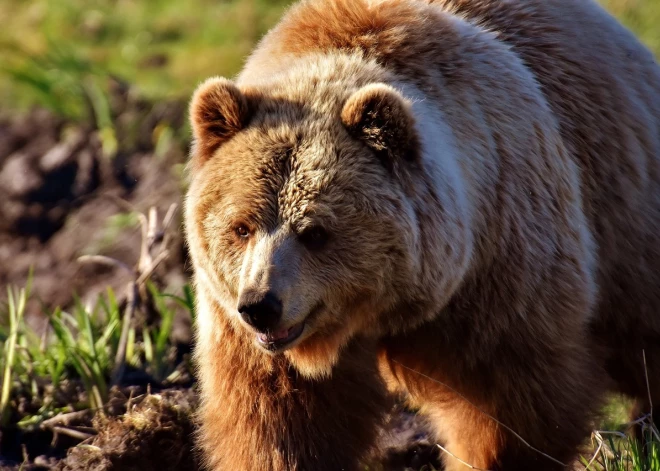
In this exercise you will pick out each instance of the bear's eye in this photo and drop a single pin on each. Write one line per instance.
(314, 238)
(242, 231)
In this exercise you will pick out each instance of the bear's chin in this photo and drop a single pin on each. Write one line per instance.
(316, 356)
(319, 349)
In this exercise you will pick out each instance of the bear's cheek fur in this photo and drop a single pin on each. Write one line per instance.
(212, 244)
(353, 302)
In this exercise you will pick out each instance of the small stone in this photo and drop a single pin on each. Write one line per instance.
(87, 177)
(18, 177)
(64, 151)
(56, 157)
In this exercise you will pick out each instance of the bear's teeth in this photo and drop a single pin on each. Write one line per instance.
(273, 336)
(280, 334)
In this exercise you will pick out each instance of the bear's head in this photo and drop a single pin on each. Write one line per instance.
(299, 215)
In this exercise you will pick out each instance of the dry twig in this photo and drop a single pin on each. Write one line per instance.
(458, 459)
(153, 251)
(79, 433)
(64, 418)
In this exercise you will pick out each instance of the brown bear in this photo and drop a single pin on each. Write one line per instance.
(453, 200)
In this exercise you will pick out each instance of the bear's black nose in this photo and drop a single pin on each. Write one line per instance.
(261, 312)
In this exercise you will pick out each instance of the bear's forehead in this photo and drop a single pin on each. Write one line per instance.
(283, 174)
(301, 191)
(280, 184)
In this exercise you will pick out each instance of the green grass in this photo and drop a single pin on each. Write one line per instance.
(640, 16)
(16, 301)
(163, 47)
(615, 451)
(79, 346)
(613, 447)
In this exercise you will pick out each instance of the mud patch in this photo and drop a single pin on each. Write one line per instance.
(156, 433)
(57, 189)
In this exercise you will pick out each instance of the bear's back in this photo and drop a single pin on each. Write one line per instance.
(601, 83)
(603, 86)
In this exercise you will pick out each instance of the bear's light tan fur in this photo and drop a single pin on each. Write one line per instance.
(455, 200)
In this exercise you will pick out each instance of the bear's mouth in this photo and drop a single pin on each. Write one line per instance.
(277, 340)
(282, 339)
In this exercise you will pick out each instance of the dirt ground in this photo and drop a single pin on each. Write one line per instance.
(61, 197)
(58, 201)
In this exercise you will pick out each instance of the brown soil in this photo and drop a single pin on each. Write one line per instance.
(155, 433)
(55, 192)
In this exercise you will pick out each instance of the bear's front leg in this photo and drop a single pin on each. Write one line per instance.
(259, 414)
(520, 410)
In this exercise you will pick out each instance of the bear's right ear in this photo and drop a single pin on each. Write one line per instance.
(382, 118)
(218, 111)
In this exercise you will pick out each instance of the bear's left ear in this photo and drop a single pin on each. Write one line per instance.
(218, 110)
(382, 118)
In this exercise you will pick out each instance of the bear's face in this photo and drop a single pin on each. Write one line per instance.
(298, 220)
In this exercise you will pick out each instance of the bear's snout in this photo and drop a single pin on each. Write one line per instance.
(261, 311)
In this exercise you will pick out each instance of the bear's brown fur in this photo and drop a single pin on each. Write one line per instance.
(457, 200)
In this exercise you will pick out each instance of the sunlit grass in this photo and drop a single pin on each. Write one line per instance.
(640, 16)
(16, 301)
(80, 345)
(616, 451)
(162, 47)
